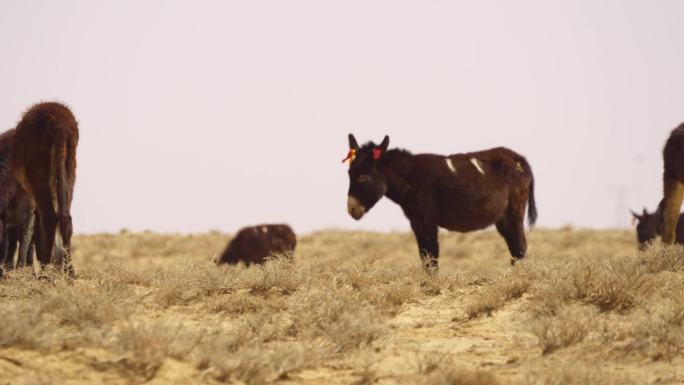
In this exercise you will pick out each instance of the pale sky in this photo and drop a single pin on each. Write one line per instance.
(200, 115)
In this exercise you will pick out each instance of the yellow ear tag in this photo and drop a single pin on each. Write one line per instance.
(350, 156)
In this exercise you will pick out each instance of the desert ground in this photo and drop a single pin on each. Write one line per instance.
(585, 307)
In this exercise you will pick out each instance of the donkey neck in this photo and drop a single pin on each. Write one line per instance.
(395, 166)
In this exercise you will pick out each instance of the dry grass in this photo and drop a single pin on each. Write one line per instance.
(571, 373)
(350, 308)
(440, 369)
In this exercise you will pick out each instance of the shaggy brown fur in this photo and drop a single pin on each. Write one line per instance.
(44, 164)
(650, 225)
(673, 182)
(257, 243)
(461, 192)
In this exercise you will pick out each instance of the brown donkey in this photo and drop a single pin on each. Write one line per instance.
(255, 244)
(461, 192)
(673, 182)
(16, 211)
(44, 164)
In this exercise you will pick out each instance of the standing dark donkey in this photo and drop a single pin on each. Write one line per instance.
(650, 225)
(256, 243)
(16, 211)
(673, 182)
(44, 164)
(461, 192)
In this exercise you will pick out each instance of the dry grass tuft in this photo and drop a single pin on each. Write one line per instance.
(194, 283)
(569, 326)
(145, 346)
(658, 258)
(573, 373)
(245, 303)
(340, 320)
(485, 303)
(658, 333)
(261, 363)
(276, 276)
(84, 306)
(439, 369)
(23, 327)
(508, 286)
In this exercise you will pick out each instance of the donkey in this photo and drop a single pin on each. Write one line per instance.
(460, 192)
(673, 182)
(44, 163)
(650, 225)
(256, 243)
(16, 213)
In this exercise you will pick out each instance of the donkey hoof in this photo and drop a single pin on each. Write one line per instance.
(515, 260)
(431, 269)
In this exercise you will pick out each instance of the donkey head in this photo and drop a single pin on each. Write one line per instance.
(649, 226)
(366, 183)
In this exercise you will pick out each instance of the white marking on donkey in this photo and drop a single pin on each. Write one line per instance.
(478, 165)
(450, 165)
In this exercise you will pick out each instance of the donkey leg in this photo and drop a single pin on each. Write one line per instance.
(47, 220)
(25, 241)
(428, 246)
(33, 244)
(66, 230)
(674, 193)
(11, 236)
(3, 249)
(512, 230)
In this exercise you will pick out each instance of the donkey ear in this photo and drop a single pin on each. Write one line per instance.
(385, 143)
(378, 151)
(353, 145)
(635, 215)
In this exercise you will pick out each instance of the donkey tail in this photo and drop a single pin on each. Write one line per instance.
(61, 181)
(531, 203)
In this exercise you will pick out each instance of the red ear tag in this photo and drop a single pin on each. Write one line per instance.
(376, 153)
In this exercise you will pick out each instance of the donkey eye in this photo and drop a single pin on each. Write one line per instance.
(363, 178)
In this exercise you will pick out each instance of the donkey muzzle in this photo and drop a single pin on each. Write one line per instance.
(355, 208)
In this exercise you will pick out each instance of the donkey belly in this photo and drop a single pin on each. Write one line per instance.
(470, 216)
